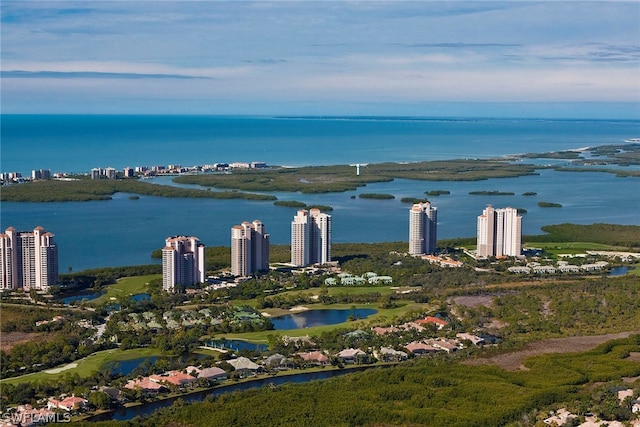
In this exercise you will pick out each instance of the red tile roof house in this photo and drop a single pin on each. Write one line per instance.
(176, 378)
(383, 331)
(431, 319)
(316, 357)
(67, 404)
(144, 384)
(419, 348)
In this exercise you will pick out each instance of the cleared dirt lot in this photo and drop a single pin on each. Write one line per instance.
(9, 339)
(513, 361)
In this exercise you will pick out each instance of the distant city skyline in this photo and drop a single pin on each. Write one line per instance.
(566, 59)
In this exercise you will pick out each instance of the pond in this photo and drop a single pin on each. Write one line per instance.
(236, 345)
(619, 271)
(141, 297)
(80, 296)
(125, 367)
(309, 318)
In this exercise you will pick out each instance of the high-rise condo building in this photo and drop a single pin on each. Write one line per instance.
(310, 238)
(183, 262)
(499, 232)
(28, 260)
(249, 248)
(423, 228)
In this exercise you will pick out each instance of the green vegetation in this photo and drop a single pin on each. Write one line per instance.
(86, 367)
(616, 172)
(339, 178)
(125, 288)
(376, 196)
(300, 205)
(428, 392)
(529, 193)
(549, 205)
(413, 200)
(491, 193)
(569, 154)
(627, 236)
(521, 210)
(290, 204)
(102, 189)
(437, 192)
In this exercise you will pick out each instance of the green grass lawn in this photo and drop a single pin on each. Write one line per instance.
(126, 286)
(85, 367)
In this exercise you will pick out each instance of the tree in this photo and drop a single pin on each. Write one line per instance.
(100, 400)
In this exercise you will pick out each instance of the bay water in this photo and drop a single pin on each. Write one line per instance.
(123, 231)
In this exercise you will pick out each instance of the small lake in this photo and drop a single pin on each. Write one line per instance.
(141, 297)
(619, 271)
(237, 345)
(80, 296)
(310, 318)
(125, 367)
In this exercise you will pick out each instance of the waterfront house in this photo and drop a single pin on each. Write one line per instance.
(213, 373)
(351, 355)
(243, 366)
(67, 404)
(316, 357)
(475, 340)
(387, 354)
(176, 378)
(146, 385)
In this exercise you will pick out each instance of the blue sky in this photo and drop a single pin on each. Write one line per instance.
(442, 58)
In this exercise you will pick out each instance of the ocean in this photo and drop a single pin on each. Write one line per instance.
(122, 231)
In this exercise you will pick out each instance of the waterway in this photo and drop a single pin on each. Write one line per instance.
(147, 409)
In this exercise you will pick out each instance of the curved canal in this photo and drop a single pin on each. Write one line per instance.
(123, 414)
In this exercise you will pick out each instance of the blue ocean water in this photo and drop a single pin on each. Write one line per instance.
(122, 231)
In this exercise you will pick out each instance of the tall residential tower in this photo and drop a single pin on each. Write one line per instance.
(183, 262)
(499, 232)
(28, 260)
(423, 229)
(310, 238)
(249, 248)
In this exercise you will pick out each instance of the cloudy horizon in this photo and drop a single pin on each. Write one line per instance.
(536, 59)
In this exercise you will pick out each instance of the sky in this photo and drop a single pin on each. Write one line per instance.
(429, 58)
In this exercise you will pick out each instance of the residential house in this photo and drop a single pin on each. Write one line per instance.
(387, 354)
(317, 357)
(433, 320)
(475, 340)
(384, 331)
(176, 378)
(146, 385)
(213, 373)
(351, 355)
(243, 366)
(71, 403)
(420, 348)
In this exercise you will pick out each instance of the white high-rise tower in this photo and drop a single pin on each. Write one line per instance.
(310, 238)
(249, 248)
(183, 262)
(28, 260)
(423, 228)
(499, 232)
